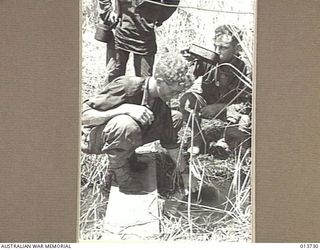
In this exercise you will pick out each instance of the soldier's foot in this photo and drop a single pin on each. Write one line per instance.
(136, 165)
(131, 185)
(127, 182)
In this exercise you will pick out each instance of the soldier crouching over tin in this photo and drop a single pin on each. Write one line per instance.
(132, 111)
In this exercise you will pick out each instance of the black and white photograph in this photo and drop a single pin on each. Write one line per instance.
(166, 120)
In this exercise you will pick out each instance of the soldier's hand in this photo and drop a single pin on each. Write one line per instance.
(139, 113)
(113, 17)
(186, 54)
(193, 185)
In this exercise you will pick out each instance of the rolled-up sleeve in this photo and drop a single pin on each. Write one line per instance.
(117, 92)
(107, 99)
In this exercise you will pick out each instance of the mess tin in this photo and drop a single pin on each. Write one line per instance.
(104, 32)
(206, 55)
(198, 52)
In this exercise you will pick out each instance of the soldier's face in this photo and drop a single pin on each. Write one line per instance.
(225, 49)
(166, 92)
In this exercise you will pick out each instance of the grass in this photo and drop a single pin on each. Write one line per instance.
(182, 218)
(230, 221)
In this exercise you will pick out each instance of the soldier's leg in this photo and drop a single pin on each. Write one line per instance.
(110, 63)
(121, 136)
(116, 63)
(143, 65)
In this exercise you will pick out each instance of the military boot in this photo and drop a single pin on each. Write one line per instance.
(137, 165)
(127, 182)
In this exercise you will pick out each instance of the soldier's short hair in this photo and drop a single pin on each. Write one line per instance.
(229, 32)
(172, 68)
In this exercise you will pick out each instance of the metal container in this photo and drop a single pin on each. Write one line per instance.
(206, 55)
(104, 32)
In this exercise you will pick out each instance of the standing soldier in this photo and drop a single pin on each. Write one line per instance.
(134, 33)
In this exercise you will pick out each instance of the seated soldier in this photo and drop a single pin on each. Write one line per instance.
(219, 92)
(132, 111)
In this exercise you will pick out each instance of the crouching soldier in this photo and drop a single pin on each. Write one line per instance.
(221, 92)
(132, 111)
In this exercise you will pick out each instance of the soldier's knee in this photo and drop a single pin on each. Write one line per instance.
(122, 131)
(123, 124)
